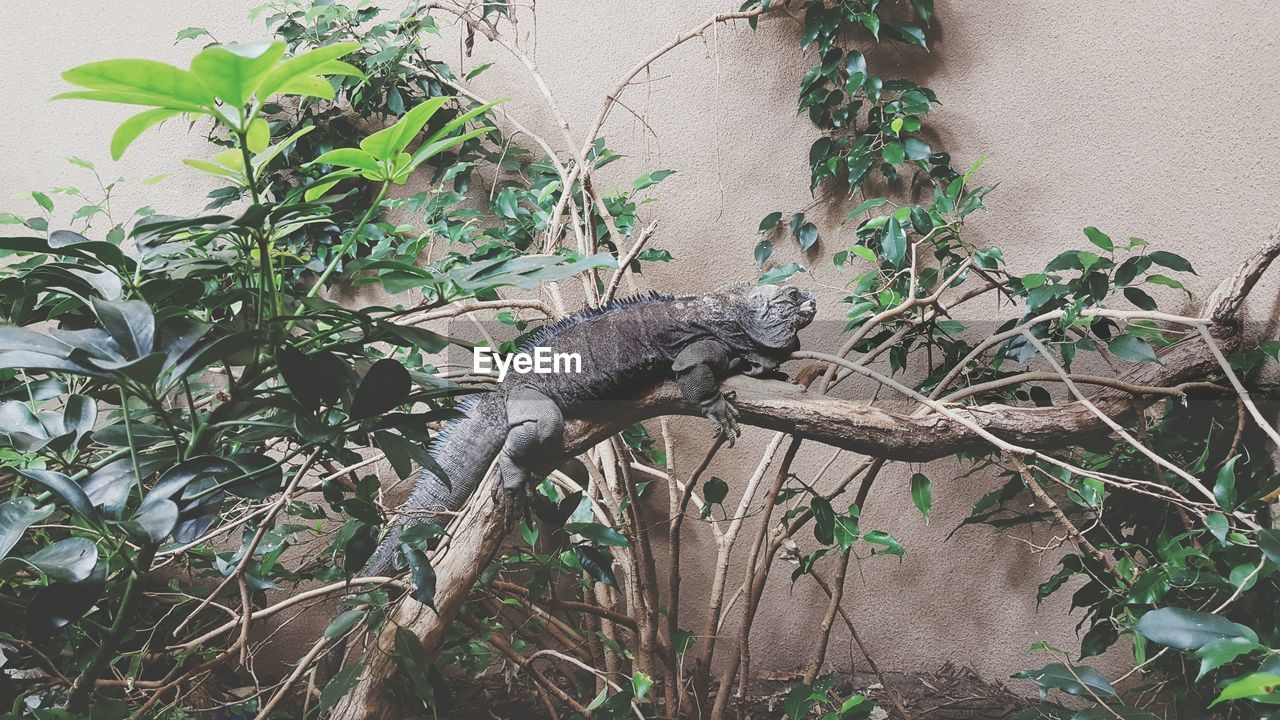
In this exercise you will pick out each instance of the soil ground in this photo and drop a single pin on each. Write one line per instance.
(948, 693)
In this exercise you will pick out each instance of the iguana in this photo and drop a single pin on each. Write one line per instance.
(626, 347)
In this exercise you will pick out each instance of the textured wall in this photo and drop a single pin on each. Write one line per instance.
(1146, 118)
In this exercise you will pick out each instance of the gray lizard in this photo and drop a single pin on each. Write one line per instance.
(625, 348)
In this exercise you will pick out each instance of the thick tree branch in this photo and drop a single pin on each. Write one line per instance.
(479, 531)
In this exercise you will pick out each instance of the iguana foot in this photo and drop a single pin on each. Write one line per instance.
(725, 416)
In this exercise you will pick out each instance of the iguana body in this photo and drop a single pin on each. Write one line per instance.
(626, 348)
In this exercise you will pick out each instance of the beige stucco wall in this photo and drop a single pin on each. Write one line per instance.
(1146, 118)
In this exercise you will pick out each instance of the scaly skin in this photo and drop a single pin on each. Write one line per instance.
(626, 348)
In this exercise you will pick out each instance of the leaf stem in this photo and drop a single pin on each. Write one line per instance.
(79, 697)
(350, 241)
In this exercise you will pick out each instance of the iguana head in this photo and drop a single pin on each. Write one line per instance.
(772, 315)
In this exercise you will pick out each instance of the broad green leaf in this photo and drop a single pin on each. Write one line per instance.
(164, 84)
(601, 534)
(259, 136)
(431, 148)
(1269, 543)
(865, 206)
(130, 129)
(1099, 238)
(233, 72)
(651, 179)
(1217, 654)
(1081, 681)
(824, 520)
(389, 142)
(66, 488)
(763, 250)
(780, 274)
(808, 235)
(1133, 348)
(309, 63)
(422, 573)
(893, 244)
(1256, 686)
(68, 560)
(1171, 261)
(922, 494)
(15, 517)
(343, 623)
(770, 221)
(448, 128)
(1189, 629)
(916, 149)
(349, 158)
(1224, 488)
(890, 543)
(309, 86)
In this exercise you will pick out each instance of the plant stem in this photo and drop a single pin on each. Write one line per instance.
(80, 690)
(350, 241)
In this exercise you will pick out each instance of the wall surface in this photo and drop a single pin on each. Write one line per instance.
(1144, 118)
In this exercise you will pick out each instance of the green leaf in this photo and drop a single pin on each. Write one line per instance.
(890, 544)
(42, 200)
(650, 179)
(140, 82)
(71, 560)
(1099, 238)
(824, 520)
(780, 274)
(1269, 543)
(1258, 686)
(1081, 681)
(343, 623)
(600, 534)
(130, 129)
(763, 250)
(597, 564)
(302, 65)
(640, 685)
(15, 517)
(865, 206)
(1216, 654)
(259, 136)
(423, 575)
(1171, 261)
(1224, 488)
(349, 158)
(808, 235)
(383, 388)
(389, 142)
(234, 71)
(66, 488)
(893, 245)
(1189, 629)
(1218, 525)
(846, 529)
(894, 153)
(916, 149)
(770, 221)
(922, 494)
(714, 491)
(1133, 348)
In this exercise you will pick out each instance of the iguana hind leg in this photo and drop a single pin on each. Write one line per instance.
(535, 434)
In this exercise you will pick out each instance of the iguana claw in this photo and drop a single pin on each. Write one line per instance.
(725, 416)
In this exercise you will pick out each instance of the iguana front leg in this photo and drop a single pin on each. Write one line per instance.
(535, 434)
(698, 370)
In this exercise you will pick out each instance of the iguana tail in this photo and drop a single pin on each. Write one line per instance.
(463, 449)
